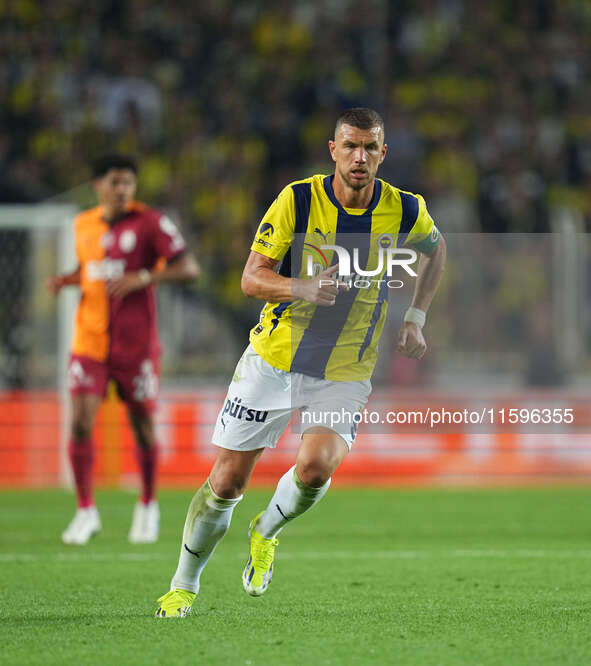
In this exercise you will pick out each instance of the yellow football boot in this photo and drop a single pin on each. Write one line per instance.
(176, 603)
(259, 568)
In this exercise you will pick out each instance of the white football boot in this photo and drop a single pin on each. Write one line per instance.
(146, 523)
(85, 523)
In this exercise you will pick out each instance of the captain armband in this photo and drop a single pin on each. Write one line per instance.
(428, 244)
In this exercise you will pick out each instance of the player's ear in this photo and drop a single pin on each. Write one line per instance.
(384, 151)
(331, 147)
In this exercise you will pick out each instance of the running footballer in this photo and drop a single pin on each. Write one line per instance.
(314, 348)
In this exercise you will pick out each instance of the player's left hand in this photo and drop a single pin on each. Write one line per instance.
(54, 284)
(120, 287)
(411, 342)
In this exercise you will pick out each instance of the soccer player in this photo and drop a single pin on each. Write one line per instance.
(315, 346)
(118, 244)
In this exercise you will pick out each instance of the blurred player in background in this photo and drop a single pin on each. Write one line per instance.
(319, 361)
(118, 245)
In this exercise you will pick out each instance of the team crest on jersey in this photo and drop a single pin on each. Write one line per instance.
(127, 241)
(385, 241)
(107, 240)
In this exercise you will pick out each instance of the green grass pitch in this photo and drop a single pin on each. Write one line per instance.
(425, 577)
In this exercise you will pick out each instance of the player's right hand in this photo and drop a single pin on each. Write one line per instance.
(54, 283)
(322, 289)
(411, 342)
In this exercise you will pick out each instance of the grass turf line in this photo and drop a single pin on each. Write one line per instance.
(417, 577)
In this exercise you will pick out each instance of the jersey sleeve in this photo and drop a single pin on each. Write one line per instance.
(424, 235)
(167, 240)
(275, 233)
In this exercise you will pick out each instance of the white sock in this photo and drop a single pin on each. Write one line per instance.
(208, 519)
(292, 498)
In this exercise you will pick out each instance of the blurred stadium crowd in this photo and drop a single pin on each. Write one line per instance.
(487, 106)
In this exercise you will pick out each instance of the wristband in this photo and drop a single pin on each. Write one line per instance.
(415, 316)
(145, 277)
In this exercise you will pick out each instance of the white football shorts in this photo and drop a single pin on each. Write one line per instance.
(261, 400)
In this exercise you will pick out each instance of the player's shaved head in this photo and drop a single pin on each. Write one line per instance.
(103, 164)
(360, 117)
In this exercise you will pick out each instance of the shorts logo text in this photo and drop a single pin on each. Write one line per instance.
(235, 409)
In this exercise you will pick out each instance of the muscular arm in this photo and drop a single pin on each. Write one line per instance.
(429, 276)
(259, 280)
(411, 341)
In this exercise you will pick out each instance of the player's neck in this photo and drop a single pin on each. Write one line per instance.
(350, 198)
(112, 215)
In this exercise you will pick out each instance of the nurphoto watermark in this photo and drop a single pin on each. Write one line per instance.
(353, 269)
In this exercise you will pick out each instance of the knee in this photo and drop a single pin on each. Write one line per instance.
(313, 472)
(227, 483)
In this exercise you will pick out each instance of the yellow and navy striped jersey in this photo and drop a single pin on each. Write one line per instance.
(338, 343)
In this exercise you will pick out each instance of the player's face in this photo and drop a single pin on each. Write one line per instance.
(358, 154)
(116, 189)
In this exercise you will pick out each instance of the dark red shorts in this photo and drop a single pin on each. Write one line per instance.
(136, 385)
